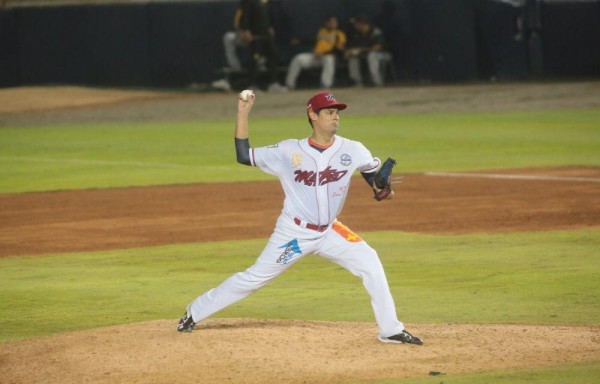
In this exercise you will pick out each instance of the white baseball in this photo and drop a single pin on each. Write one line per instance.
(245, 94)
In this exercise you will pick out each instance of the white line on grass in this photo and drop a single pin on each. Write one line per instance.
(515, 177)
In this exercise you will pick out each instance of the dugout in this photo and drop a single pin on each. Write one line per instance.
(173, 44)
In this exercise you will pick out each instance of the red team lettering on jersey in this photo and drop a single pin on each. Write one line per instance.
(325, 176)
(317, 181)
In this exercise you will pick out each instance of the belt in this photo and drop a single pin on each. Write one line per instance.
(314, 227)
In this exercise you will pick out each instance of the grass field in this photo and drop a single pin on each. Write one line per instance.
(536, 278)
(110, 155)
(525, 278)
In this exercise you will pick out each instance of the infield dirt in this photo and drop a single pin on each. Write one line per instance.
(73, 221)
(267, 351)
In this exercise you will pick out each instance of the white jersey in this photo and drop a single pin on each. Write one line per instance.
(315, 183)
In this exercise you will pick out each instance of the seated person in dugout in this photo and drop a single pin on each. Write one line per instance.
(331, 42)
(232, 40)
(252, 22)
(366, 42)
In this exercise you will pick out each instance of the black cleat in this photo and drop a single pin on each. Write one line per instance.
(402, 338)
(186, 323)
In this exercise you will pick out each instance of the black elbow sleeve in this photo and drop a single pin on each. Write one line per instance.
(242, 147)
(369, 177)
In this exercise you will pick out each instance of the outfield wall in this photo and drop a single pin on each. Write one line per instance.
(177, 43)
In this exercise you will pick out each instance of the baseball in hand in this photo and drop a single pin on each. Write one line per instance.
(245, 94)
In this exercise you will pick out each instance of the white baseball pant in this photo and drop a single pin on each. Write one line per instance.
(375, 60)
(288, 244)
(231, 41)
(310, 60)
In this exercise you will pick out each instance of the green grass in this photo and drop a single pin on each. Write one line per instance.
(538, 278)
(113, 155)
(452, 142)
(580, 373)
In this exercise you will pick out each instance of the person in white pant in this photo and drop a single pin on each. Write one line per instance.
(331, 41)
(315, 173)
(248, 15)
(232, 40)
(366, 42)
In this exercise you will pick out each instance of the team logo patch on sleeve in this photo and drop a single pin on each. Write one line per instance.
(345, 232)
(346, 159)
(296, 160)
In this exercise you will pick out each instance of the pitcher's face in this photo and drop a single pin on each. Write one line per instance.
(328, 120)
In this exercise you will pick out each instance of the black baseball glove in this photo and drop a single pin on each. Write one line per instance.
(382, 186)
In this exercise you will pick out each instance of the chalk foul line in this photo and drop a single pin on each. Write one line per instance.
(515, 177)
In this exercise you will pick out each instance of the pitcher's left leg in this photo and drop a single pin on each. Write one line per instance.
(345, 248)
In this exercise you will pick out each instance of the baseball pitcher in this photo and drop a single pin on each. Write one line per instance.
(315, 174)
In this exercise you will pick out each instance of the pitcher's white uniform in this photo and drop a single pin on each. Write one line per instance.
(315, 185)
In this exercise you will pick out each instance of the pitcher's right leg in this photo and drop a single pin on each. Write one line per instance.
(281, 252)
(234, 289)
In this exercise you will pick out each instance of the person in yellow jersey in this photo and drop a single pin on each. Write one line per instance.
(331, 41)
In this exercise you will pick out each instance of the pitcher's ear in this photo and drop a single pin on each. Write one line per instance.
(312, 115)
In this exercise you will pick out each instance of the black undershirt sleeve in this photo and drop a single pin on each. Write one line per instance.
(242, 147)
(369, 177)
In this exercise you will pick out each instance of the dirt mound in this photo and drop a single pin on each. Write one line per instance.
(277, 351)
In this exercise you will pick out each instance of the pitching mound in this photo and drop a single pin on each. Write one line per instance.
(277, 351)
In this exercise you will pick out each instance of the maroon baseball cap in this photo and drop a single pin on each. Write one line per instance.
(324, 100)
